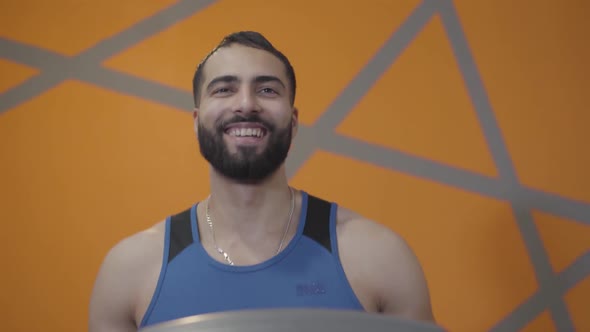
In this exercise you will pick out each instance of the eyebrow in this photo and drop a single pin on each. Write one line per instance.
(224, 79)
(233, 78)
(268, 78)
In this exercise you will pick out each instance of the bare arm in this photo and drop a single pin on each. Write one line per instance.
(388, 270)
(403, 286)
(113, 304)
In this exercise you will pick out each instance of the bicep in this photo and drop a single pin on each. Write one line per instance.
(111, 305)
(403, 285)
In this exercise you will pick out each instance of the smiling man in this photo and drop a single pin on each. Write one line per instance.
(255, 242)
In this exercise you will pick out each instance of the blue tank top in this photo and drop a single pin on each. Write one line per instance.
(306, 274)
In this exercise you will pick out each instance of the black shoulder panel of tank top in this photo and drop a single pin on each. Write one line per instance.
(317, 221)
(181, 235)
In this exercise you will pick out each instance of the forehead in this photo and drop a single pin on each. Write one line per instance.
(244, 62)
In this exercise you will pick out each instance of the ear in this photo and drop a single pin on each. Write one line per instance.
(295, 120)
(196, 120)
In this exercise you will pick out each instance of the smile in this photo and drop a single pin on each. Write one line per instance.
(246, 130)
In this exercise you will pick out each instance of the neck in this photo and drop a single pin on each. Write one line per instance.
(250, 207)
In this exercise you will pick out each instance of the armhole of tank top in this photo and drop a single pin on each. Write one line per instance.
(194, 222)
(161, 276)
(336, 253)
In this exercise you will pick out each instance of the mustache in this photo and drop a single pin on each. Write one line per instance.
(254, 118)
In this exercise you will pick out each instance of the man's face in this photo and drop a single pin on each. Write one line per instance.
(245, 121)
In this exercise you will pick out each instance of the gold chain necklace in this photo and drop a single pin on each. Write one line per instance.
(224, 253)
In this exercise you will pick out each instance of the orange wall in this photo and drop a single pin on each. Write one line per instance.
(85, 164)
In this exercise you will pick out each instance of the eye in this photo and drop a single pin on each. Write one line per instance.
(221, 90)
(268, 90)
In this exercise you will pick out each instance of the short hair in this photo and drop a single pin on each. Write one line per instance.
(250, 39)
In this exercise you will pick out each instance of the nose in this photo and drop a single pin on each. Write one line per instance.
(246, 102)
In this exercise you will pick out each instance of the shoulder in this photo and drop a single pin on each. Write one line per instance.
(137, 249)
(123, 277)
(367, 235)
(385, 266)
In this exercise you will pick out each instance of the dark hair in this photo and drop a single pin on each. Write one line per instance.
(251, 39)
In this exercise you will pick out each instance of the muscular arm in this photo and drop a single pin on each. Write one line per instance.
(402, 284)
(385, 268)
(114, 300)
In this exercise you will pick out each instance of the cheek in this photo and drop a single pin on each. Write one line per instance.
(210, 113)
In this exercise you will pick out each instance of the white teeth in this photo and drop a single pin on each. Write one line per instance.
(246, 132)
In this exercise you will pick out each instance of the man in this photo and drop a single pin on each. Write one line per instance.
(255, 242)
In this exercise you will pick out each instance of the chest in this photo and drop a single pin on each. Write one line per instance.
(305, 277)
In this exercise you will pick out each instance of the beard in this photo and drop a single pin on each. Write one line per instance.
(246, 164)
